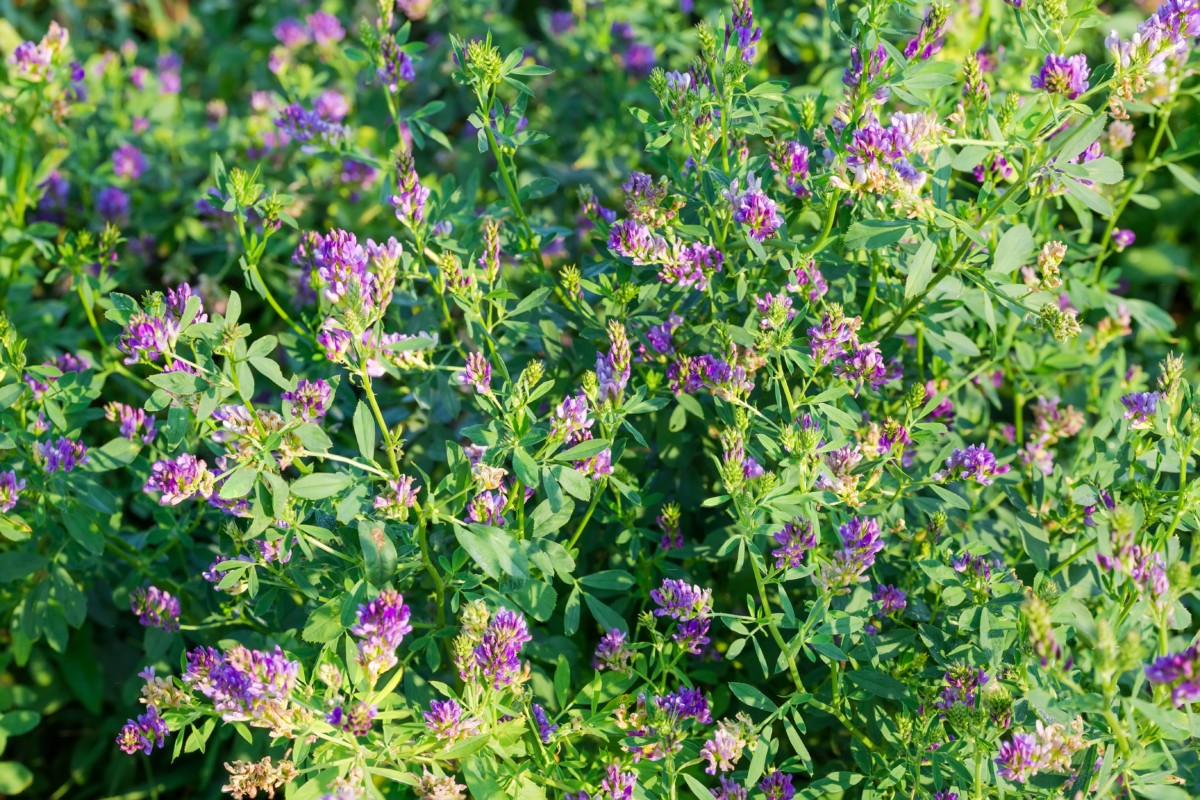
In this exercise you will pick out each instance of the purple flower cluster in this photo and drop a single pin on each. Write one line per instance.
(1065, 75)
(612, 367)
(1181, 672)
(618, 785)
(128, 162)
(613, 652)
(477, 373)
(1050, 748)
(381, 625)
(10, 490)
(309, 400)
(498, 654)
(973, 463)
(445, 721)
(402, 497)
(244, 685)
(180, 478)
(795, 539)
(690, 606)
(62, 455)
(134, 421)
(881, 158)
(861, 542)
(777, 786)
(155, 608)
(355, 720)
(145, 733)
(931, 36)
(836, 341)
(753, 209)
(693, 267)
(397, 66)
(545, 727)
(410, 197)
(1140, 408)
(742, 31)
(865, 73)
(791, 162)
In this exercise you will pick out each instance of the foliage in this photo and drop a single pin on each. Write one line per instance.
(622, 401)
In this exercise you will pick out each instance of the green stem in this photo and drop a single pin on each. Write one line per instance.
(793, 670)
(387, 435)
(588, 514)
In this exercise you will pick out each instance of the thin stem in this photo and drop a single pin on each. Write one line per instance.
(588, 514)
(387, 435)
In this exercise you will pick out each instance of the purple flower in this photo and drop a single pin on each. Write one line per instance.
(572, 420)
(728, 789)
(243, 685)
(1140, 408)
(325, 28)
(1181, 669)
(403, 496)
(862, 73)
(1017, 759)
(62, 455)
(681, 600)
(155, 608)
(974, 463)
(381, 625)
(1122, 238)
(777, 786)
(754, 209)
(497, 655)
(618, 785)
(696, 263)
(545, 728)
(931, 36)
(1065, 75)
(397, 66)
(179, 479)
(410, 198)
(487, 507)
(796, 539)
(613, 652)
(612, 368)
(145, 733)
(10, 490)
(341, 267)
(477, 373)
(309, 400)
(635, 241)
(861, 542)
(891, 600)
(291, 33)
(169, 76)
(355, 720)
(128, 162)
(742, 30)
(639, 59)
(112, 205)
(444, 719)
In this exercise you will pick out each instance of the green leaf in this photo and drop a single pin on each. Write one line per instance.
(752, 697)
(1014, 249)
(920, 270)
(325, 624)
(871, 234)
(525, 467)
(530, 301)
(877, 683)
(270, 370)
(320, 485)
(615, 580)
(1186, 179)
(378, 552)
(494, 550)
(583, 450)
(364, 430)
(14, 778)
(239, 483)
(15, 565)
